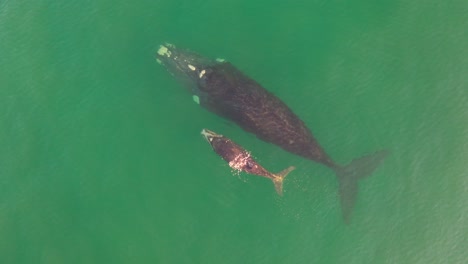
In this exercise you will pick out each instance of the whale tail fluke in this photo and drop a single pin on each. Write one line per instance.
(349, 175)
(279, 177)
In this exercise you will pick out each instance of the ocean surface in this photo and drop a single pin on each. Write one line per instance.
(102, 161)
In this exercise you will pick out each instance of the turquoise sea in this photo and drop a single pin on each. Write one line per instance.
(102, 161)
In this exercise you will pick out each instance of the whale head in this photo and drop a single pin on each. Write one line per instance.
(210, 135)
(189, 67)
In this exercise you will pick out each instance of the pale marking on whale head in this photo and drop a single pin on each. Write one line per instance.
(202, 73)
(210, 135)
(191, 67)
(163, 51)
(196, 99)
(220, 60)
(159, 61)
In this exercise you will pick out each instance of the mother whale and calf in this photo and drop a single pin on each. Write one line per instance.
(224, 90)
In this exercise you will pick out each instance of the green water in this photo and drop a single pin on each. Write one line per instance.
(101, 160)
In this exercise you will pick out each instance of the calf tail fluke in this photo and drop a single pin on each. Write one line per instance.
(279, 177)
(349, 175)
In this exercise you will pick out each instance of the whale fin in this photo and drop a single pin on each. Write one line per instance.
(279, 177)
(349, 175)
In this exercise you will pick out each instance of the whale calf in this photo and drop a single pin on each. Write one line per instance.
(224, 90)
(240, 159)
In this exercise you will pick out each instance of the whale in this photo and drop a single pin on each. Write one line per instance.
(240, 160)
(223, 89)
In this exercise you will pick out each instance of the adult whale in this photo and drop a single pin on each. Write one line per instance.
(221, 88)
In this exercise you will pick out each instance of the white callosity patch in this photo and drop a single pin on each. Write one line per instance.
(202, 73)
(191, 67)
(209, 135)
(196, 99)
(163, 51)
(220, 60)
(239, 162)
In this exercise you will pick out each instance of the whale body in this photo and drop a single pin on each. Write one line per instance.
(224, 90)
(240, 159)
